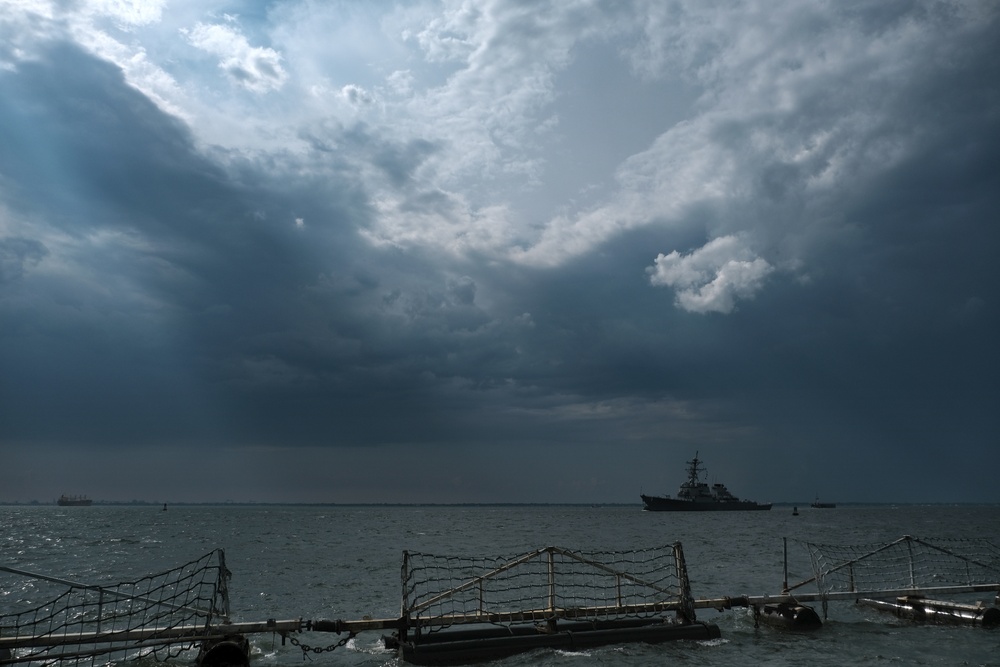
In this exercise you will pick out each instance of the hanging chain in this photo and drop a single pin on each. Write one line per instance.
(306, 649)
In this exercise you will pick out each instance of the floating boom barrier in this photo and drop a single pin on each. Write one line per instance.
(462, 610)
(919, 608)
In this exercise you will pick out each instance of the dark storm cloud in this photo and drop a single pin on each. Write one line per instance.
(208, 300)
(797, 280)
(102, 167)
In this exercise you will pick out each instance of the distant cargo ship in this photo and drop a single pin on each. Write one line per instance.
(697, 496)
(73, 501)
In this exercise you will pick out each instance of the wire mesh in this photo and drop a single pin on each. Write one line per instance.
(908, 562)
(541, 585)
(158, 616)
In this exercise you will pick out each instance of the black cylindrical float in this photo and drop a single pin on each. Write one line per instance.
(937, 611)
(230, 652)
(790, 615)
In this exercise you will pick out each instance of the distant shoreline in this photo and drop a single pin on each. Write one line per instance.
(151, 503)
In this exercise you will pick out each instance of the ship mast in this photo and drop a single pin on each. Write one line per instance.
(694, 472)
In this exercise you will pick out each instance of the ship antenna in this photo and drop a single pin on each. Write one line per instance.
(694, 473)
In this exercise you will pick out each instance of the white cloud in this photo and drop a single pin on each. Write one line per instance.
(107, 28)
(23, 25)
(255, 68)
(452, 36)
(140, 72)
(713, 277)
(400, 82)
(798, 104)
(505, 59)
(684, 167)
(490, 117)
(128, 13)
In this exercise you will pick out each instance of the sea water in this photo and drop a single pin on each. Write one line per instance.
(343, 562)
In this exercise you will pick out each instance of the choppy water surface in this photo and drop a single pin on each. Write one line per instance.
(293, 562)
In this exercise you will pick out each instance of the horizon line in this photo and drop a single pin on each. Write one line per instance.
(209, 503)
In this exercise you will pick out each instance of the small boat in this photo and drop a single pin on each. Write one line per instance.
(73, 501)
(816, 504)
(695, 495)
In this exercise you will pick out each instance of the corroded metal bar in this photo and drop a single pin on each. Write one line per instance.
(176, 633)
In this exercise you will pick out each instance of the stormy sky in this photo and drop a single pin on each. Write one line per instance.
(499, 251)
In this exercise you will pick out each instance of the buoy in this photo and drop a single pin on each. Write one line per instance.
(789, 615)
(233, 651)
(795, 511)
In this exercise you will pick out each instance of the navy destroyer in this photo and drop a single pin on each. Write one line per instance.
(697, 496)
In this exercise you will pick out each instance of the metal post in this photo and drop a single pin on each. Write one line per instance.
(552, 590)
(100, 608)
(784, 582)
(686, 608)
(909, 550)
(224, 575)
(552, 581)
(404, 609)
